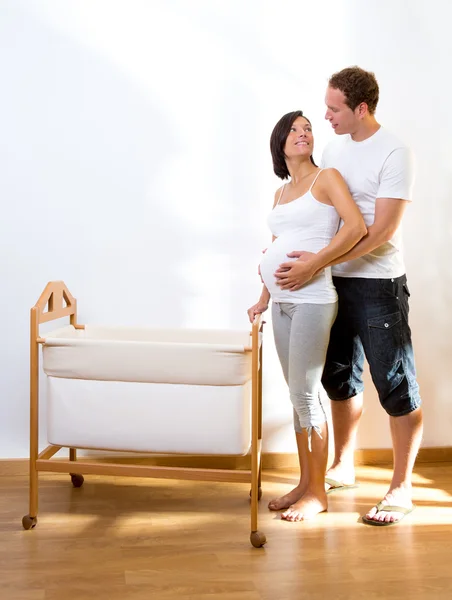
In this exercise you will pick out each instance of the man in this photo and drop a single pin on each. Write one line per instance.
(373, 294)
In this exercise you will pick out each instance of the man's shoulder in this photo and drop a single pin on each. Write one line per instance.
(391, 141)
(337, 142)
(335, 147)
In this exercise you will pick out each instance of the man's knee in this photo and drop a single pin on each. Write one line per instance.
(396, 384)
(400, 402)
(340, 383)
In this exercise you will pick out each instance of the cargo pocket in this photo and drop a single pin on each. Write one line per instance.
(386, 337)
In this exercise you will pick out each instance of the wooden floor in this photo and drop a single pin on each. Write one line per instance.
(141, 539)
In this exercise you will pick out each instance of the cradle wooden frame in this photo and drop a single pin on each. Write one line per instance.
(59, 303)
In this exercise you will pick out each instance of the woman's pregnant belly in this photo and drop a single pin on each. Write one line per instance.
(276, 254)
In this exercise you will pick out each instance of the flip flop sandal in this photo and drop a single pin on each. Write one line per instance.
(388, 508)
(338, 486)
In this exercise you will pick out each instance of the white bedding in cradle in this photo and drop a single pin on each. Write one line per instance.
(149, 390)
(149, 417)
(187, 356)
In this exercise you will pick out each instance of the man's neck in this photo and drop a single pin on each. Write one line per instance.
(366, 130)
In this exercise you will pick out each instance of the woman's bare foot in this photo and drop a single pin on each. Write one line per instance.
(287, 500)
(307, 507)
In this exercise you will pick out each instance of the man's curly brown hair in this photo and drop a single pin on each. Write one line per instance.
(358, 86)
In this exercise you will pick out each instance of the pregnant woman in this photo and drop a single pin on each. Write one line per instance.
(306, 215)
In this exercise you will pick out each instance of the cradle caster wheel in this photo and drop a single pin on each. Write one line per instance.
(259, 493)
(257, 539)
(29, 522)
(77, 480)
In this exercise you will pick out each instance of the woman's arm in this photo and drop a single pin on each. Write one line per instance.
(260, 306)
(292, 275)
(353, 228)
(278, 195)
(264, 300)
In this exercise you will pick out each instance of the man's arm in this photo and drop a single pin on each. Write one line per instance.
(292, 275)
(388, 216)
(395, 190)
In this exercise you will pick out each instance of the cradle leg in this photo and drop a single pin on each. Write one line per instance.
(29, 521)
(76, 478)
(259, 481)
(259, 491)
(257, 538)
(259, 416)
(258, 381)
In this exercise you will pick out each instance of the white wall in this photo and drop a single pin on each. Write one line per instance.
(134, 165)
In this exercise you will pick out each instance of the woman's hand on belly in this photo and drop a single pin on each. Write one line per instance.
(293, 275)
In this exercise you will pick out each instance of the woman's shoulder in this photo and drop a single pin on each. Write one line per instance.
(330, 172)
(278, 194)
(330, 175)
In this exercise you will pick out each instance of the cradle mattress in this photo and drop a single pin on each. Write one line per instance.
(149, 390)
(187, 356)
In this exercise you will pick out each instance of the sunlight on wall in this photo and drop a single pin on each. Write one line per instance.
(221, 75)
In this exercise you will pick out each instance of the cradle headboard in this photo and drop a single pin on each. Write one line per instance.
(55, 302)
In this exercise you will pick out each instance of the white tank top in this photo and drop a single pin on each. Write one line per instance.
(302, 224)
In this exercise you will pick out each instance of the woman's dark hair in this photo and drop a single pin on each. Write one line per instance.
(278, 141)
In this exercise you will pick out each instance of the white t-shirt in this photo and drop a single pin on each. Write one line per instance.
(379, 167)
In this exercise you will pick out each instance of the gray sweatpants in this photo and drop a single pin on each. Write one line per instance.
(302, 333)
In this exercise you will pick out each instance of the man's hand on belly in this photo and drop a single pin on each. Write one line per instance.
(293, 275)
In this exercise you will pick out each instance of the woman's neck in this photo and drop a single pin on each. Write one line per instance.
(300, 169)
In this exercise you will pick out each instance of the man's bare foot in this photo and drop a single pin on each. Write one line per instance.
(306, 508)
(342, 474)
(400, 496)
(287, 500)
